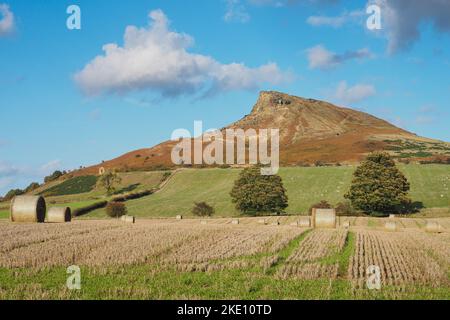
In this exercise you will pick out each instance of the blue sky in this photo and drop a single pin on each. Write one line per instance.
(203, 60)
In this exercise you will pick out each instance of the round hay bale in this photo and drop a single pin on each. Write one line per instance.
(294, 224)
(390, 226)
(128, 219)
(324, 218)
(235, 221)
(203, 222)
(28, 209)
(59, 215)
(101, 171)
(276, 223)
(392, 216)
(179, 217)
(304, 222)
(433, 227)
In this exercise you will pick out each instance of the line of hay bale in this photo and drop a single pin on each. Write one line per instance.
(59, 215)
(323, 218)
(128, 219)
(28, 209)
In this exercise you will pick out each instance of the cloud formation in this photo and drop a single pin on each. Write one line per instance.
(335, 22)
(236, 12)
(157, 59)
(402, 20)
(6, 20)
(321, 58)
(353, 94)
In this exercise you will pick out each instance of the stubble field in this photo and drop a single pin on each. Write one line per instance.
(170, 259)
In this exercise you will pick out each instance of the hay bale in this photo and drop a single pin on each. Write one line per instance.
(203, 222)
(324, 218)
(276, 223)
(390, 226)
(294, 224)
(235, 221)
(59, 215)
(346, 224)
(262, 221)
(392, 216)
(179, 217)
(304, 222)
(433, 227)
(28, 209)
(128, 219)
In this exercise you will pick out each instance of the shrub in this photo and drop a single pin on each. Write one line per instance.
(202, 209)
(254, 193)
(116, 209)
(320, 205)
(345, 209)
(55, 175)
(378, 186)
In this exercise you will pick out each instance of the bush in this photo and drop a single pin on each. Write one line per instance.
(202, 209)
(116, 209)
(345, 209)
(254, 193)
(55, 175)
(378, 186)
(320, 205)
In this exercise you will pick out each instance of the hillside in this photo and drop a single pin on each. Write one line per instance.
(310, 131)
(305, 186)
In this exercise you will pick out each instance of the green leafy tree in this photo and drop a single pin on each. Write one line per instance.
(116, 209)
(379, 187)
(109, 180)
(254, 193)
(202, 209)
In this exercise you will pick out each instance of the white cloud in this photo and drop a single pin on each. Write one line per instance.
(6, 20)
(50, 167)
(236, 12)
(335, 22)
(353, 94)
(321, 58)
(157, 59)
(401, 21)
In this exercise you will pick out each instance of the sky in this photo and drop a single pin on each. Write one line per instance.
(137, 70)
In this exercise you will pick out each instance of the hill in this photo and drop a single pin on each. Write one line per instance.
(310, 131)
(305, 186)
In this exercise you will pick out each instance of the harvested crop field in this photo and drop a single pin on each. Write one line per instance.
(186, 259)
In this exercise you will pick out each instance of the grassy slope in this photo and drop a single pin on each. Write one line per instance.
(139, 180)
(429, 184)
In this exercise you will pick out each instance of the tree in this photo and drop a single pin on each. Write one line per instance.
(12, 193)
(116, 209)
(378, 186)
(108, 180)
(55, 175)
(202, 209)
(33, 186)
(254, 193)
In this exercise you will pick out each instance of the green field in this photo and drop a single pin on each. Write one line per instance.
(75, 185)
(305, 186)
